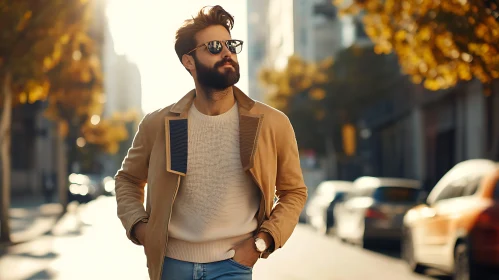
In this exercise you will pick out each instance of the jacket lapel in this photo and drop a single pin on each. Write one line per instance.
(249, 129)
(177, 136)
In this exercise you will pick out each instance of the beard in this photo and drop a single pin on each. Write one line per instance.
(214, 79)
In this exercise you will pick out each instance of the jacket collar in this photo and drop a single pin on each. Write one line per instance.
(176, 132)
(184, 104)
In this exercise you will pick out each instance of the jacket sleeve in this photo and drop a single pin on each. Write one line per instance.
(130, 181)
(291, 190)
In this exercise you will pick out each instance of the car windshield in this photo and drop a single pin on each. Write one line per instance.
(396, 194)
(340, 196)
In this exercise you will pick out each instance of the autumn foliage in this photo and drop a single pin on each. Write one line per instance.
(52, 50)
(438, 42)
(298, 76)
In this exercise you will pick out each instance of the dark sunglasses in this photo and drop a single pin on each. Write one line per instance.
(216, 46)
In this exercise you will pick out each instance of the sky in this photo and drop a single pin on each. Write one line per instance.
(144, 30)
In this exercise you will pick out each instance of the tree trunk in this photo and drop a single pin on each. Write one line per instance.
(5, 138)
(62, 169)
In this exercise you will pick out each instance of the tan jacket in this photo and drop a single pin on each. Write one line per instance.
(158, 157)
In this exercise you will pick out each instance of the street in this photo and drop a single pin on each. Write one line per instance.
(90, 243)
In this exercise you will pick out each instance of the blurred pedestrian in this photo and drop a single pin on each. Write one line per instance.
(213, 163)
(48, 186)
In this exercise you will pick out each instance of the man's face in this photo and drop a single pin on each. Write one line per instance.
(215, 71)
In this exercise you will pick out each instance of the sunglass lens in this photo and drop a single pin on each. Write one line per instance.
(235, 46)
(215, 47)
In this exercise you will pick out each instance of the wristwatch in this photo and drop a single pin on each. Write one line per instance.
(260, 245)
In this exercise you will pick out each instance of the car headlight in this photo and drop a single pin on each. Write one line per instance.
(109, 186)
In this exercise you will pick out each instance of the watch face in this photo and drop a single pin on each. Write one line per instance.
(260, 245)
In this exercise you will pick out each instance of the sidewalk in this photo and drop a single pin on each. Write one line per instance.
(31, 217)
(88, 242)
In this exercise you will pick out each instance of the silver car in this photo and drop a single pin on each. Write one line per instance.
(320, 209)
(375, 208)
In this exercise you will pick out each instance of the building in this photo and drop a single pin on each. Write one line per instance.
(33, 149)
(123, 89)
(122, 84)
(310, 29)
(420, 134)
(277, 30)
(257, 29)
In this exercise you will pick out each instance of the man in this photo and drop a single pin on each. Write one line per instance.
(213, 163)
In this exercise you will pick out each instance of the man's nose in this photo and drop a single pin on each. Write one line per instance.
(225, 51)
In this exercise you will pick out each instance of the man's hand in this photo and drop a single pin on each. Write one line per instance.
(246, 253)
(139, 231)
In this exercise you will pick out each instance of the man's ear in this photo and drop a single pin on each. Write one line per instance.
(188, 62)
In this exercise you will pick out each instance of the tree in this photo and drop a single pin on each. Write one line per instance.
(323, 100)
(438, 43)
(48, 52)
(298, 91)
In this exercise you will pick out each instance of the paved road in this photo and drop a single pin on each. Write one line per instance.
(91, 244)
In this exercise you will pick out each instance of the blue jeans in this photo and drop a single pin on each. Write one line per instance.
(222, 270)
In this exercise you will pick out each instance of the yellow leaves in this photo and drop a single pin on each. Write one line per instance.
(47, 63)
(37, 93)
(431, 84)
(33, 91)
(321, 78)
(23, 97)
(464, 71)
(481, 30)
(425, 33)
(326, 63)
(400, 35)
(63, 128)
(24, 21)
(350, 10)
(85, 76)
(317, 94)
(338, 2)
(64, 39)
(417, 79)
(297, 77)
(431, 38)
(107, 133)
(383, 48)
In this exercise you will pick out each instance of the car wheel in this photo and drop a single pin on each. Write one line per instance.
(408, 253)
(464, 267)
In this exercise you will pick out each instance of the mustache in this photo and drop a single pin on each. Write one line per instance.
(226, 60)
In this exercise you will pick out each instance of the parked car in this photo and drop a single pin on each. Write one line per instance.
(83, 188)
(320, 209)
(457, 230)
(109, 186)
(374, 209)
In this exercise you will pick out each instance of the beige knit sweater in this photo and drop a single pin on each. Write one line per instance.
(217, 201)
